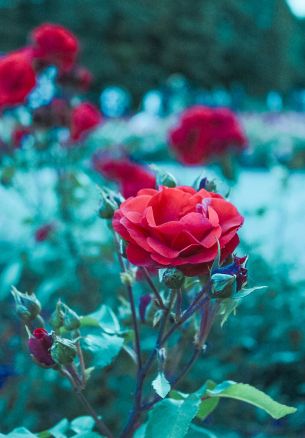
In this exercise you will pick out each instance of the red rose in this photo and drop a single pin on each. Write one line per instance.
(84, 118)
(131, 176)
(57, 113)
(40, 344)
(203, 133)
(56, 45)
(17, 78)
(177, 227)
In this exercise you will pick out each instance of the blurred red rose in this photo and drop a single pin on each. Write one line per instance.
(177, 227)
(40, 344)
(43, 232)
(84, 118)
(17, 78)
(19, 135)
(203, 133)
(54, 44)
(131, 176)
(57, 113)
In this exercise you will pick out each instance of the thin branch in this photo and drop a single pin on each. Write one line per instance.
(133, 307)
(101, 426)
(153, 288)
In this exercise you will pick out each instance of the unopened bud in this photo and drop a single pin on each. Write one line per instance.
(108, 204)
(65, 317)
(173, 278)
(163, 177)
(40, 343)
(208, 185)
(27, 305)
(221, 284)
(63, 350)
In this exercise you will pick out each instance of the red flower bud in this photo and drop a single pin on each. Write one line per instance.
(40, 344)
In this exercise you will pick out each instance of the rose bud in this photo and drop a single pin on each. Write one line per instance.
(208, 185)
(65, 317)
(27, 305)
(63, 350)
(173, 278)
(236, 270)
(71, 318)
(40, 343)
(57, 317)
(164, 178)
(108, 204)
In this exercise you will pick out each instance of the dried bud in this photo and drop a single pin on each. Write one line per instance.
(173, 278)
(63, 350)
(40, 343)
(108, 204)
(27, 305)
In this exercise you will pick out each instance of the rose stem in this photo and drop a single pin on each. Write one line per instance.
(153, 288)
(101, 426)
(136, 412)
(133, 308)
(81, 360)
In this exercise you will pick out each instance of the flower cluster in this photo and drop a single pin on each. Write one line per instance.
(203, 133)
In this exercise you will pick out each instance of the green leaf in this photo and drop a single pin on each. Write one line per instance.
(172, 418)
(229, 305)
(207, 407)
(249, 394)
(19, 432)
(200, 432)
(161, 385)
(105, 318)
(60, 429)
(88, 435)
(103, 348)
(82, 424)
